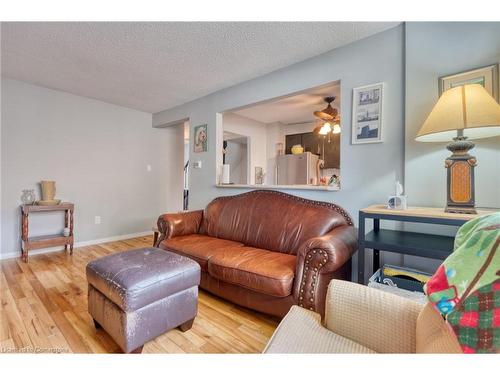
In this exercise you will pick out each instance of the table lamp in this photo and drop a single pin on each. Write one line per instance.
(462, 113)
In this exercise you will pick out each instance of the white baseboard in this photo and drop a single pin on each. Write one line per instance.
(16, 254)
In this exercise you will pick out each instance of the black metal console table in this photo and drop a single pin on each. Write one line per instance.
(403, 242)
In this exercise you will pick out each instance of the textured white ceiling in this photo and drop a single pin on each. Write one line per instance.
(155, 66)
(295, 108)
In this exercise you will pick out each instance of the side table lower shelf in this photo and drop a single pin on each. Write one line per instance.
(40, 242)
(410, 243)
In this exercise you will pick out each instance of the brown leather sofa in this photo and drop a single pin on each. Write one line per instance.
(265, 250)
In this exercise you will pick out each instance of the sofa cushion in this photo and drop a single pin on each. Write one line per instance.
(301, 331)
(261, 270)
(198, 247)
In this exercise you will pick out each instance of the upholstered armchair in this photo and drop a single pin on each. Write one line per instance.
(359, 319)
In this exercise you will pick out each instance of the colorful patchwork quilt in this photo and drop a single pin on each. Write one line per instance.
(466, 287)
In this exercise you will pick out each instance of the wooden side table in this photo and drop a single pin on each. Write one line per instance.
(404, 242)
(39, 242)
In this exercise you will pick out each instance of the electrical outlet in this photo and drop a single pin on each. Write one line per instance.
(97, 220)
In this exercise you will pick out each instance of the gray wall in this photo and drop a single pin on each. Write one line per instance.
(434, 50)
(96, 152)
(409, 59)
(368, 171)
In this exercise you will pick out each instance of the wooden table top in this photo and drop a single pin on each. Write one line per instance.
(432, 212)
(57, 207)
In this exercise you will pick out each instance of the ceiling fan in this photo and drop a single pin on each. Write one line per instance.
(329, 113)
(328, 116)
(329, 119)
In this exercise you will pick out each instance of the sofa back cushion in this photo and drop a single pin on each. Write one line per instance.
(271, 220)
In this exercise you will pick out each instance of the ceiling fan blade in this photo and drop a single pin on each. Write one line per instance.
(301, 122)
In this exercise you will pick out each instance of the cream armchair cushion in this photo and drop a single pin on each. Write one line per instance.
(380, 321)
(359, 319)
(301, 332)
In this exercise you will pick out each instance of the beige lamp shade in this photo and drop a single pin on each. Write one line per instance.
(469, 108)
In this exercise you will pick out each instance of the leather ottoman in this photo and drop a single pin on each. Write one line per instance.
(140, 294)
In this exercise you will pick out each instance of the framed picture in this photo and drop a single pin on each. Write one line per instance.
(487, 77)
(200, 138)
(367, 113)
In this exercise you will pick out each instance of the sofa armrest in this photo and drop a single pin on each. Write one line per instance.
(380, 321)
(179, 224)
(320, 260)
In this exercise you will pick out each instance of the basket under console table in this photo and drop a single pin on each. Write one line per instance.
(39, 242)
(404, 242)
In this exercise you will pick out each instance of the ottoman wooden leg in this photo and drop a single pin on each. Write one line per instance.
(155, 237)
(138, 350)
(187, 325)
(97, 325)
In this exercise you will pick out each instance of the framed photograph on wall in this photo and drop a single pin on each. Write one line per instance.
(367, 113)
(200, 138)
(486, 76)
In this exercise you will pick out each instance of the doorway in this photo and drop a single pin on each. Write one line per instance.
(175, 166)
(235, 154)
(185, 198)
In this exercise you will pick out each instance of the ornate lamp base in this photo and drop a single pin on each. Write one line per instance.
(460, 174)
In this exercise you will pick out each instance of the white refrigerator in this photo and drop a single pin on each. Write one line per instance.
(299, 169)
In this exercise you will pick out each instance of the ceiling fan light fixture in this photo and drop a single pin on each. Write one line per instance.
(325, 129)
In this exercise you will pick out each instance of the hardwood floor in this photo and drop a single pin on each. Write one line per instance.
(44, 308)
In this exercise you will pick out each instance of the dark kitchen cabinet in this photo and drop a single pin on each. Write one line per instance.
(314, 143)
(291, 140)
